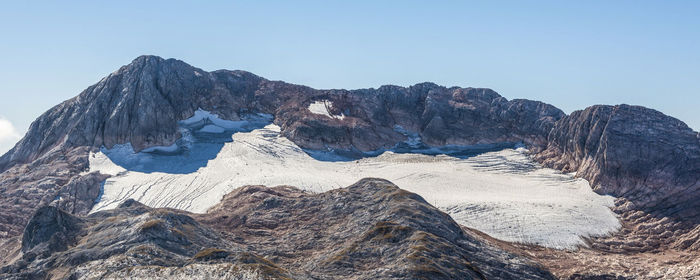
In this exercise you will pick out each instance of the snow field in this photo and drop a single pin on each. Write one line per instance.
(503, 193)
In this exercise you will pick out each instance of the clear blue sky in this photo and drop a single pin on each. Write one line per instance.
(571, 54)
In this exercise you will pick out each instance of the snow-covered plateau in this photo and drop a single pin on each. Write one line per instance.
(502, 193)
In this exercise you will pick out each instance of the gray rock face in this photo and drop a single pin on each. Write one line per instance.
(140, 103)
(79, 194)
(369, 230)
(627, 151)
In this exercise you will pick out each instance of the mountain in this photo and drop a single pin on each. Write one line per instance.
(649, 162)
(140, 103)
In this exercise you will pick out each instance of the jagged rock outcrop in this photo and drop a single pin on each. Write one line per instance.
(632, 152)
(51, 228)
(78, 195)
(140, 104)
(130, 242)
(369, 230)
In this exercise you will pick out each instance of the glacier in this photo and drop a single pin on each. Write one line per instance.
(502, 193)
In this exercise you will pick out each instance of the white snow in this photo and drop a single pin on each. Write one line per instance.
(212, 122)
(504, 193)
(322, 108)
(101, 162)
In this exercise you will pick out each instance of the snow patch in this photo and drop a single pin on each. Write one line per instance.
(102, 163)
(206, 118)
(322, 108)
(204, 133)
(503, 193)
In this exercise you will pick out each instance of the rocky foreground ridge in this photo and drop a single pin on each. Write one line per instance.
(369, 230)
(649, 161)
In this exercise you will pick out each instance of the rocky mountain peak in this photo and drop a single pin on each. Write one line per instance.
(142, 102)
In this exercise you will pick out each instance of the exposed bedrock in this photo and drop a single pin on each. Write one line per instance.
(140, 103)
(369, 230)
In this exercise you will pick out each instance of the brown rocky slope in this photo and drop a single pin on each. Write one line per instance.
(369, 230)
